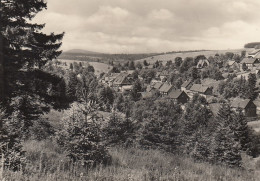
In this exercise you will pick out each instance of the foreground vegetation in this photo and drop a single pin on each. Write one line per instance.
(127, 164)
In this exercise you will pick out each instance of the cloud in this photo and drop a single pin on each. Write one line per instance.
(152, 26)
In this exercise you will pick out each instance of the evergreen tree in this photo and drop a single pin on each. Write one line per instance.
(225, 146)
(81, 136)
(251, 94)
(131, 66)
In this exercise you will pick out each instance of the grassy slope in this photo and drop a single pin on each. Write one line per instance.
(166, 57)
(98, 66)
(127, 164)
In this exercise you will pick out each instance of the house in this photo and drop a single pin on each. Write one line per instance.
(127, 88)
(200, 89)
(146, 95)
(202, 63)
(120, 81)
(251, 63)
(178, 96)
(233, 65)
(215, 107)
(166, 88)
(254, 53)
(157, 85)
(186, 85)
(248, 107)
(163, 75)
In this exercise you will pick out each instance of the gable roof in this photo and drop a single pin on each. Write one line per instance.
(199, 88)
(202, 62)
(186, 83)
(146, 95)
(121, 79)
(149, 88)
(240, 103)
(254, 52)
(231, 62)
(166, 87)
(215, 107)
(176, 94)
(157, 85)
(248, 60)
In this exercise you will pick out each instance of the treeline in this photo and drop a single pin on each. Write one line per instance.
(252, 45)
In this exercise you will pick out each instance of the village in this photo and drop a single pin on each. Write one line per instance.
(208, 87)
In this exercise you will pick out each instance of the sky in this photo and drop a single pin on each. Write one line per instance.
(145, 26)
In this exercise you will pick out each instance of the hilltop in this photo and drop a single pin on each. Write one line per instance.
(172, 55)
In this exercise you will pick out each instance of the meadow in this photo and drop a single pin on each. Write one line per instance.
(47, 162)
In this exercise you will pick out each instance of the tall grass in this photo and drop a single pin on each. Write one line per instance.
(48, 162)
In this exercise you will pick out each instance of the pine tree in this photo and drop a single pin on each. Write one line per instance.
(242, 131)
(225, 147)
(81, 135)
(23, 43)
(10, 141)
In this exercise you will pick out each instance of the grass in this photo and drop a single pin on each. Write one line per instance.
(166, 57)
(98, 66)
(47, 162)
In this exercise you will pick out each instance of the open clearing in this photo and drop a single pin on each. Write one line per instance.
(99, 67)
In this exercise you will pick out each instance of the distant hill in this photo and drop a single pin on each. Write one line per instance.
(81, 52)
(172, 55)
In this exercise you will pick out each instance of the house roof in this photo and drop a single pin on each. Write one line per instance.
(231, 62)
(248, 60)
(166, 87)
(257, 55)
(215, 107)
(149, 88)
(186, 83)
(202, 62)
(157, 85)
(121, 79)
(254, 52)
(175, 94)
(199, 88)
(146, 95)
(240, 103)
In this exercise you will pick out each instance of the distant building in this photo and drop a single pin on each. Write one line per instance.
(202, 63)
(157, 85)
(248, 107)
(251, 63)
(166, 88)
(178, 96)
(146, 95)
(200, 89)
(215, 107)
(186, 85)
(254, 53)
(120, 81)
(233, 64)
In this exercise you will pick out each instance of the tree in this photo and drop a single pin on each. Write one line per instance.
(137, 88)
(251, 86)
(139, 65)
(225, 146)
(244, 67)
(145, 63)
(178, 61)
(71, 66)
(24, 46)
(81, 135)
(90, 68)
(131, 66)
(119, 131)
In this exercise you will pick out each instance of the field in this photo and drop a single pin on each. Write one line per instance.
(98, 66)
(127, 164)
(166, 57)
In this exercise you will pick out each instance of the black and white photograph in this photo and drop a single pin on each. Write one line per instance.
(130, 90)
